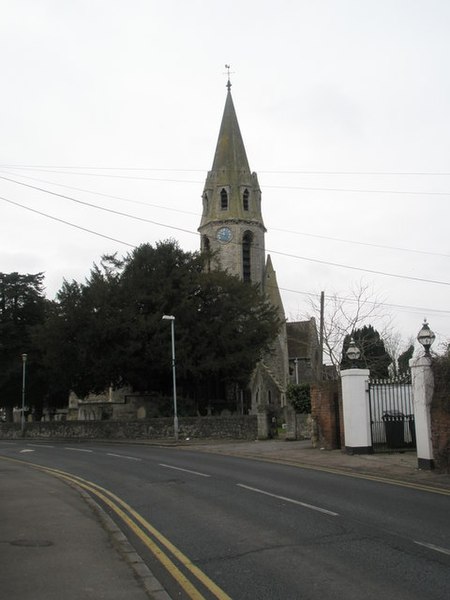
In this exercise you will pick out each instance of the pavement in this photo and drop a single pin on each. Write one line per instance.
(56, 542)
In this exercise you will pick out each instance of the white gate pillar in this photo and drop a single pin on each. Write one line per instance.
(356, 411)
(422, 393)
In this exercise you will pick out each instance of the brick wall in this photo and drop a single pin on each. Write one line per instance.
(326, 414)
(440, 435)
(440, 414)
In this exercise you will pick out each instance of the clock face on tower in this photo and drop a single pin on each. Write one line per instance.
(224, 235)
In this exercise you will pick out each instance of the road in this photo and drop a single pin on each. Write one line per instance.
(213, 526)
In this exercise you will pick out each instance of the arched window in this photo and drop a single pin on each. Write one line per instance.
(245, 197)
(223, 199)
(205, 202)
(246, 255)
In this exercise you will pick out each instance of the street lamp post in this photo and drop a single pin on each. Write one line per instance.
(171, 318)
(24, 368)
(296, 370)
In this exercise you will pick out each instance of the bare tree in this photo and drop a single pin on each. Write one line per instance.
(343, 314)
(396, 346)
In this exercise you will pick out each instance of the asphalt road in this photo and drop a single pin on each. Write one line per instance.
(259, 530)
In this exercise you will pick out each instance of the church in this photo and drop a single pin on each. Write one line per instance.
(233, 230)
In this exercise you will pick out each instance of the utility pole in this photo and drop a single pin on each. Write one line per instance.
(322, 310)
(22, 416)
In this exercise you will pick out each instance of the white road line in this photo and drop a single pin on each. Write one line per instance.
(184, 470)
(123, 456)
(433, 547)
(40, 446)
(78, 449)
(291, 500)
(26, 450)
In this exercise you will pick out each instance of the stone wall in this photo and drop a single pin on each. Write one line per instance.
(232, 427)
(303, 426)
(326, 414)
(298, 425)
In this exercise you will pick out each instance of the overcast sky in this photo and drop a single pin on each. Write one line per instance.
(344, 110)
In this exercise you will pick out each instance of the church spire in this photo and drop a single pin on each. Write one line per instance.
(230, 151)
(232, 225)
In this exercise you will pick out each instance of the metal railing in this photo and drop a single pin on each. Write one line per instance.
(392, 413)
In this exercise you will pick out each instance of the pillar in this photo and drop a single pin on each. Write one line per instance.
(356, 409)
(422, 393)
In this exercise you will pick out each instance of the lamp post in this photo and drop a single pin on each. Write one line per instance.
(171, 318)
(24, 369)
(353, 353)
(296, 369)
(426, 337)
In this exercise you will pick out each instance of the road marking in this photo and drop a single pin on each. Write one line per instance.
(123, 456)
(25, 450)
(40, 446)
(291, 500)
(184, 470)
(336, 471)
(78, 449)
(433, 547)
(138, 527)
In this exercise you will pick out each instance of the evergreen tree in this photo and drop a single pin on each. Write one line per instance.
(22, 308)
(403, 360)
(373, 353)
(109, 330)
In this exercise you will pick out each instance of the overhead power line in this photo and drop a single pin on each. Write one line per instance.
(372, 271)
(38, 212)
(359, 243)
(278, 187)
(295, 256)
(108, 210)
(419, 309)
(311, 294)
(186, 212)
(275, 172)
(103, 195)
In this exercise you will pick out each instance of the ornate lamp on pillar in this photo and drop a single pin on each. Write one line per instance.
(426, 337)
(422, 392)
(353, 353)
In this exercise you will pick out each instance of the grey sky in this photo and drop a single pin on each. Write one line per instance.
(349, 87)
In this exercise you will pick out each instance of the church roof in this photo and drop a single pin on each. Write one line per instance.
(230, 150)
(302, 338)
(271, 288)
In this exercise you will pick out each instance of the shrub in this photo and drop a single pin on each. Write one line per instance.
(299, 395)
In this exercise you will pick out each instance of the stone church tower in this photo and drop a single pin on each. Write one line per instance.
(232, 228)
(232, 224)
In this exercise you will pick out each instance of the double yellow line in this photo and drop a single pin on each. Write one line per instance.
(155, 541)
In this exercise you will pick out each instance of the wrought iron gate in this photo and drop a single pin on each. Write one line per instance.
(392, 413)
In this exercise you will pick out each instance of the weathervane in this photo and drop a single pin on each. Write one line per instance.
(227, 67)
